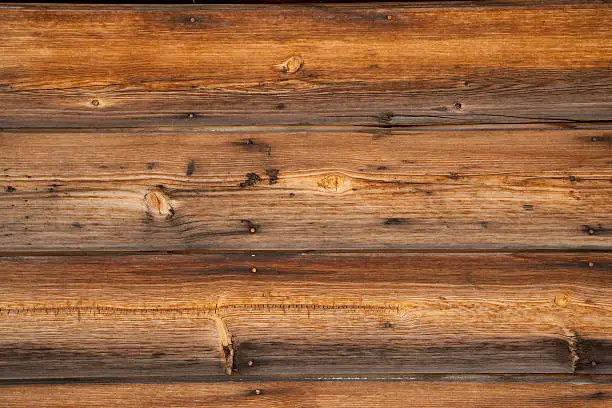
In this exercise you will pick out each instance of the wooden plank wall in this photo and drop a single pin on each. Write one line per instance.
(306, 204)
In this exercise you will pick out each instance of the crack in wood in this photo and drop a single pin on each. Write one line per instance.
(226, 343)
(573, 344)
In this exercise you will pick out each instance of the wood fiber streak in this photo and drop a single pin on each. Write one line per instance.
(382, 65)
(306, 189)
(310, 314)
(430, 394)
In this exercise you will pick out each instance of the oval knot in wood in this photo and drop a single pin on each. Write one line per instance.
(158, 203)
(561, 300)
(333, 183)
(292, 65)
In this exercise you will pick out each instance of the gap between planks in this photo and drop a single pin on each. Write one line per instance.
(450, 127)
(405, 377)
(468, 249)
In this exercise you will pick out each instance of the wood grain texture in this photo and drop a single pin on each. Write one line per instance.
(308, 394)
(383, 65)
(465, 187)
(50, 345)
(313, 313)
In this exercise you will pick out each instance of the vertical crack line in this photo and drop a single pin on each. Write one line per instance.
(225, 338)
(573, 344)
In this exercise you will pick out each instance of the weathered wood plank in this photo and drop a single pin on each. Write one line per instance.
(50, 345)
(337, 394)
(379, 65)
(315, 313)
(307, 189)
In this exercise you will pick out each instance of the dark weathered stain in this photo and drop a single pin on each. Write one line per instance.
(245, 142)
(454, 176)
(594, 355)
(596, 139)
(599, 396)
(396, 221)
(594, 230)
(251, 180)
(275, 354)
(381, 133)
(385, 118)
(10, 189)
(190, 168)
(77, 225)
(280, 106)
(151, 165)
(484, 224)
(528, 207)
(272, 175)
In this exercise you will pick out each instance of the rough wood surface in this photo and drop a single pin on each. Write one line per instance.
(306, 205)
(470, 187)
(383, 65)
(317, 313)
(337, 394)
(50, 345)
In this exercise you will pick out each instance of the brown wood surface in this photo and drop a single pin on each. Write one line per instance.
(384, 65)
(49, 344)
(466, 187)
(309, 205)
(337, 394)
(313, 313)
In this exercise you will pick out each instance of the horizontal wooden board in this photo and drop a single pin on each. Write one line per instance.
(337, 394)
(383, 65)
(465, 187)
(310, 313)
